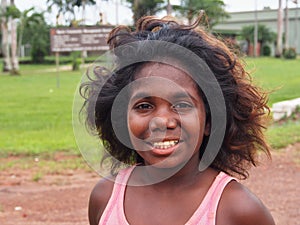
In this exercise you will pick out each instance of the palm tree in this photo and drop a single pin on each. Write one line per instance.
(265, 35)
(145, 7)
(214, 9)
(14, 14)
(25, 21)
(83, 3)
(8, 15)
(36, 34)
(66, 7)
(5, 35)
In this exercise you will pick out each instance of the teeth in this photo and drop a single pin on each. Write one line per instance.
(165, 144)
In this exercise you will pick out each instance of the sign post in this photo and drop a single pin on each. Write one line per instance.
(78, 39)
(57, 69)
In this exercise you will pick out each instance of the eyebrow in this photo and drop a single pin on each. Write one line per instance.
(141, 95)
(146, 95)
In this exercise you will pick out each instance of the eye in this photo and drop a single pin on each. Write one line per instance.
(143, 106)
(182, 106)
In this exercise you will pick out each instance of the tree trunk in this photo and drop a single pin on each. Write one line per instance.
(135, 11)
(190, 16)
(169, 8)
(14, 55)
(20, 40)
(279, 31)
(286, 26)
(5, 40)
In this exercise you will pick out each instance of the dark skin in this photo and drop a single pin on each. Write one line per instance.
(175, 199)
(146, 201)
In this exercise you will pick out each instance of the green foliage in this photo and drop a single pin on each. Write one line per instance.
(51, 60)
(214, 9)
(80, 2)
(12, 11)
(264, 34)
(67, 7)
(28, 19)
(36, 33)
(266, 50)
(38, 50)
(290, 53)
(76, 60)
(145, 7)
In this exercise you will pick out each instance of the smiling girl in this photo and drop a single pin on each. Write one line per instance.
(157, 115)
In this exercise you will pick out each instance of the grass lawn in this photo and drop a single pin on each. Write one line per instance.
(282, 79)
(278, 76)
(36, 116)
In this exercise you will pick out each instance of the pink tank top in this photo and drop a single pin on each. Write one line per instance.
(205, 214)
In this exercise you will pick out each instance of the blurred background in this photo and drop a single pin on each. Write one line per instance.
(46, 47)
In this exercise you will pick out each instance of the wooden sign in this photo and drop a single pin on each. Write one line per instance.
(79, 39)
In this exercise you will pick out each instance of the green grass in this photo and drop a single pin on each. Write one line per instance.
(282, 79)
(280, 136)
(36, 116)
(278, 76)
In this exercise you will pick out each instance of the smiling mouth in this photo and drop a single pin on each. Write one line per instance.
(165, 144)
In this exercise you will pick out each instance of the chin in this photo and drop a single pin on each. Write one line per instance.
(168, 164)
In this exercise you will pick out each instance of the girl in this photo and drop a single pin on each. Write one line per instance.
(180, 110)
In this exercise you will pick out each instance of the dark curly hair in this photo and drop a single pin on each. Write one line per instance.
(245, 103)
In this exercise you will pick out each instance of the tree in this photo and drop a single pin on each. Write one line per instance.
(36, 34)
(67, 7)
(9, 46)
(25, 22)
(5, 35)
(145, 7)
(14, 13)
(214, 9)
(278, 51)
(265, 35)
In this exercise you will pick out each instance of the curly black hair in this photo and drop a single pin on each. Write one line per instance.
(246, 104)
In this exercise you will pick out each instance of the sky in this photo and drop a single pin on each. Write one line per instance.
(123, 14)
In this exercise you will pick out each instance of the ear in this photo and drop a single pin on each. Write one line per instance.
(207, 129)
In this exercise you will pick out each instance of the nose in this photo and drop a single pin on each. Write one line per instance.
(162, 123)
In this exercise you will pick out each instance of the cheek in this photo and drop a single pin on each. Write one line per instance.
(194, 122)
(136, 126)
(194, 125)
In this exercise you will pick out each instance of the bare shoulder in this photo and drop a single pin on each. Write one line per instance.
(238, 206)
(99, 198)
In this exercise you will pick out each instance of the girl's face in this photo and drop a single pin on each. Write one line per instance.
(166, 116)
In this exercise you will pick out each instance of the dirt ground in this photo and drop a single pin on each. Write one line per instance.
(63, 198)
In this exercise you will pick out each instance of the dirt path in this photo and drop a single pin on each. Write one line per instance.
(62, 199)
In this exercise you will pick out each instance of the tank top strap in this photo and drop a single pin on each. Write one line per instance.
(117, 196)
(206, 212)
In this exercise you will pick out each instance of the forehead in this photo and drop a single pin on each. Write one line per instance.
(168, 72)
(164, 81)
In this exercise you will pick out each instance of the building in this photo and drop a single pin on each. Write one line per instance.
(268, 17)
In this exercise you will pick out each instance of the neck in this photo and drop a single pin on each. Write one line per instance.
(178, 177)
